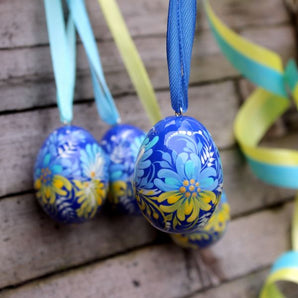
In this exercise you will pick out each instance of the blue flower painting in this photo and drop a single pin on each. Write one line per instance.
(122, 143)
(71, 175)
(178, 176)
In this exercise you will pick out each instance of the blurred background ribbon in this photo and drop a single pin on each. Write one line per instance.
(276, 87)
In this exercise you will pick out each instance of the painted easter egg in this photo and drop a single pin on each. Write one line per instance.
(178, 176)
(71, 175)
(211, 233)
(122, 143)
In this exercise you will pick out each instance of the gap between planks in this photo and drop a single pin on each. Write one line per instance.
(235, 256)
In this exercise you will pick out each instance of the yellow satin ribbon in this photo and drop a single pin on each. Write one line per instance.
(252, 51)
(131, 59)
(257, 114)
(270, 290)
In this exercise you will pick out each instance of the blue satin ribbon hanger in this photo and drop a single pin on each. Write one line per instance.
(180, 36)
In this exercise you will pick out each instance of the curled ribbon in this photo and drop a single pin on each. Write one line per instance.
(266, 104)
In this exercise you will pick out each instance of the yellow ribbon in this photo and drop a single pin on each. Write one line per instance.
(257, 114)
(131, 59)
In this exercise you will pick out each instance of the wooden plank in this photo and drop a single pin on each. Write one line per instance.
(32, 245)
(251, 243)
(26, 78)
(23, 133)
(24, 226)
(23, 23)
(157, 271)
(165, 271)
(245, 287)
(248, 286)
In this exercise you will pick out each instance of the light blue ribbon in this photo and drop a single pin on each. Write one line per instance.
(104, 100)
(259, 74)
(287, 260)
(63, 52)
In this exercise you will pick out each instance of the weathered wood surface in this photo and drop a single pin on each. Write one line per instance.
(245, 287)
(26, 78)
(24, 226)
(24, 25)
(26, 72)
(33, 245)
(168, 271)
(23, 133)
(121, 256)
(248, 286)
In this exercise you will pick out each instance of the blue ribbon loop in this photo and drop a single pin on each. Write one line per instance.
(104, 100)
(180, 36)
(63, 52)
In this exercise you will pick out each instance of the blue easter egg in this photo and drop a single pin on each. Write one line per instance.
(122, 143)
(71, 175)
(211, 233)
(178, 176)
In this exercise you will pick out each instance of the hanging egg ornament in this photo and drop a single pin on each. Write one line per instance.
(178, 176)
(211, 233)
(122, 143)
(71, 175)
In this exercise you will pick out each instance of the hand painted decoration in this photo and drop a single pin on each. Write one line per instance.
(71, 175)
(211, 233)
(71, 170)
(178, 175)
(122, 143)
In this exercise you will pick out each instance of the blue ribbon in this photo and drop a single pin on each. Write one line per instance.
(63, 52)
(180, 36)
(104, 100)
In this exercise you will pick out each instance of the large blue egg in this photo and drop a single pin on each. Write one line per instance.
(71, 175)
(211, 233)
(122, 143)
(178, 176)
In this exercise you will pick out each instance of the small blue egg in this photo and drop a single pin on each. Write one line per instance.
(211, 233)
(122, 143)
(178, 176)
(71, 175)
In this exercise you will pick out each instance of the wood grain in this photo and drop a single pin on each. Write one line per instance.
(248, 286)
(117, 256)
(24, 226)
(33, 245)
(26, 78)
(24, 24)
(24, 133)
(250, 244)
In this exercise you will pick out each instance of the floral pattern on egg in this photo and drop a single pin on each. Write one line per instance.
(211, 233)
(122, 143)
(71, 175)
(178, 177)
